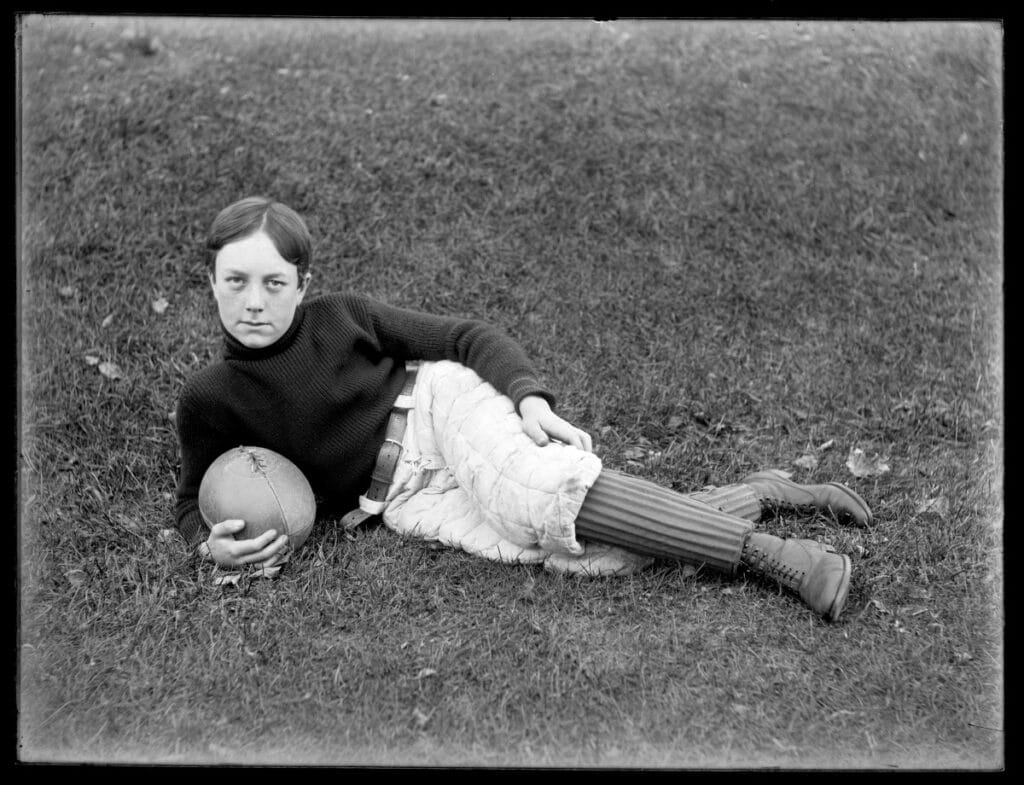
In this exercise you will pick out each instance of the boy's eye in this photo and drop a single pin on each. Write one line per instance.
(275, 284)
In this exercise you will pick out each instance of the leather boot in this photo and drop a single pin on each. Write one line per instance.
(774, 490)
(814, 571)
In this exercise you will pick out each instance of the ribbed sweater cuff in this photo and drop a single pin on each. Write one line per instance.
(520, 388)
(192, 527)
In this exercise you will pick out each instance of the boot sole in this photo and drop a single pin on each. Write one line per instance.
(839, 601)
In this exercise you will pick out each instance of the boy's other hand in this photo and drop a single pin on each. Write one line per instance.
(222, 547)
(542, 425)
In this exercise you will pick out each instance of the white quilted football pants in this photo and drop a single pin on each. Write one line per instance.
(470, 478)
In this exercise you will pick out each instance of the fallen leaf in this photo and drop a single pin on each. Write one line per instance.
(159, 305)
(425, 672)
(92, 360)
(878, 604)
(230, 579)
(166, 535)
(938, 506)
(106, 322)
(807, 461)
(129, 523)
(271, 570)
(420, 718)
(439, 99)
(827, 445)
(111, 371)
(689, 570)
(67, 291)
(526, 592)
(76, 577)
(963, 140)
(861, 466)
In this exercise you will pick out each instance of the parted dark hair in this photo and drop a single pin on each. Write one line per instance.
(280, 223)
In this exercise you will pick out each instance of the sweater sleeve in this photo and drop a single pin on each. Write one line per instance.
(200, 442)
(494, 355)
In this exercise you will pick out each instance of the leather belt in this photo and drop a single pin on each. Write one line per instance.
(373, 502)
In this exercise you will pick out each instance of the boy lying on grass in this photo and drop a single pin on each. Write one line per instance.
(441, 427)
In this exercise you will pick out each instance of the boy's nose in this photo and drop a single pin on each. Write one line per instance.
(254, 301)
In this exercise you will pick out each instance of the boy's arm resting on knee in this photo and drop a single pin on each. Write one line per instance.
(541, 424)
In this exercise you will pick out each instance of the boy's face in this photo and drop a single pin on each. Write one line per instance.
(257, 291)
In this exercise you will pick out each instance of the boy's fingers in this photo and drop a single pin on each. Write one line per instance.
(244, 549)
(279, 557)
(228, 526)
(587, 443)
(536, 432)
(267, 552)
(266, 538)
(565, 432)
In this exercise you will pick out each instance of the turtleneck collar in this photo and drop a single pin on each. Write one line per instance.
(236, 350)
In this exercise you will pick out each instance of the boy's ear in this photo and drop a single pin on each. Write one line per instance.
(213, 279)
(304, 284)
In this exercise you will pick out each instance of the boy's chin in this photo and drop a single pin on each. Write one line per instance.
(255, 341)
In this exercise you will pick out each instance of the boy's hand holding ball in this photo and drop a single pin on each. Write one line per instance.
(222, 547)
(257, 504)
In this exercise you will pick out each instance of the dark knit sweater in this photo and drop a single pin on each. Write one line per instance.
(321, 394)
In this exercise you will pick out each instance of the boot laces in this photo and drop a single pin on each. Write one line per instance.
(773, 567)
(772, 501)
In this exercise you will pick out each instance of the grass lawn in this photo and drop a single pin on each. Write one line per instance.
(728, 246)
